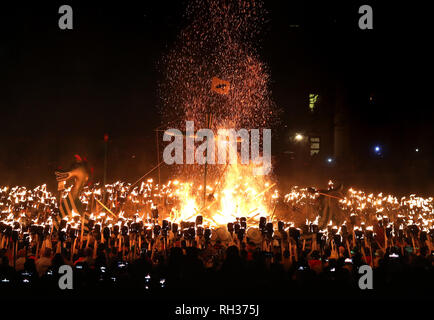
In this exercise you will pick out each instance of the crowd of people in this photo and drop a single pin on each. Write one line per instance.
(124, 253)
(223, 268)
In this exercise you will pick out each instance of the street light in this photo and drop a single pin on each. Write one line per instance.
(378, 150)
(298, 137)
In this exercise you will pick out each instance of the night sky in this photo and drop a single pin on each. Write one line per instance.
(61, 90)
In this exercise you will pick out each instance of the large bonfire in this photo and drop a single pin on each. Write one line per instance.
(220, 41)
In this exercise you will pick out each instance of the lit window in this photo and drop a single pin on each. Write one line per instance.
(313, 98)
(314, 145)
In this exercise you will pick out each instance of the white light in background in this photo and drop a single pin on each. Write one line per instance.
(298, 137)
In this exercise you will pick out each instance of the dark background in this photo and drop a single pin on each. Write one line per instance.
(62, 90)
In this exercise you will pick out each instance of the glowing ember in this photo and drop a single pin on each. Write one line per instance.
(219, 41)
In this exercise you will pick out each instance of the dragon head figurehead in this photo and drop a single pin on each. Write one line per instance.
(79, 172)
